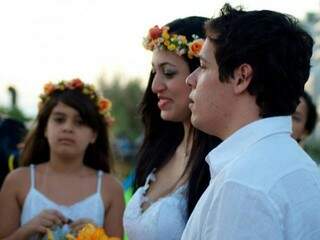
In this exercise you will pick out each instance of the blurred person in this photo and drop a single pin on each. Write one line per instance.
(304, 119)
(253, 68)
(171, 173)
(12, 133)
(66, 175)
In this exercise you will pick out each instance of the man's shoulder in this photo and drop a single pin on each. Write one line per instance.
(269, 162)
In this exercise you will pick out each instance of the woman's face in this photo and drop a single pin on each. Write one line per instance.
(169, 84)
(299, 119)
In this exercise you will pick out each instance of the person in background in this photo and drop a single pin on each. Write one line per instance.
(304, 119)
(253, 68)
(12, 133)
(66, 175)
(171, 173)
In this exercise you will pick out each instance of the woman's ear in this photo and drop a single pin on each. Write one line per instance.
(242, 78)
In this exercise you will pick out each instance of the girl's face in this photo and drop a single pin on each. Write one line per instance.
(67, 133)
(170, 73)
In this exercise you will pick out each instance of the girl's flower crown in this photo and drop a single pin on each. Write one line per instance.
(160, 38)
(103, 104)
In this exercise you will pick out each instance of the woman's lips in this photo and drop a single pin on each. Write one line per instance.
(162, 103)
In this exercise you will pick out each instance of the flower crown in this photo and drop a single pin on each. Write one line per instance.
(103, 104)
(160, 38)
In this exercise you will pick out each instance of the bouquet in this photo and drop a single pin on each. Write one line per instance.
(88, 232)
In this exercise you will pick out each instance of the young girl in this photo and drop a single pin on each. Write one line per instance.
(68, 157)
(171, 173)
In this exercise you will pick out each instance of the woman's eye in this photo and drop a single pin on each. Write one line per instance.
(169, 73)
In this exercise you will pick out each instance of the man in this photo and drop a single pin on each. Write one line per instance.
(264, 186)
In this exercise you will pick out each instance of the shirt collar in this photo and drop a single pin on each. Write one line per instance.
(244, 137)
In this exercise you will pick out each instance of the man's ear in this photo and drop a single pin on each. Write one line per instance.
(94, 137)
(242, 78)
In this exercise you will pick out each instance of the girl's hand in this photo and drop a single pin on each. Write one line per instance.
(46, 219)
(80, 223)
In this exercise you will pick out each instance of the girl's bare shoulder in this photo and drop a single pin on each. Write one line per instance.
(17, 182)
(111, 186)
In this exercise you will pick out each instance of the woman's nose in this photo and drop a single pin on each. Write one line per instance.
(157, 84)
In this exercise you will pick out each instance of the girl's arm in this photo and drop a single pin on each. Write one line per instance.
(10, 211)
(10, 208)
(114, 201)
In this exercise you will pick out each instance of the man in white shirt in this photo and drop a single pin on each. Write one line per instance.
(264, 186)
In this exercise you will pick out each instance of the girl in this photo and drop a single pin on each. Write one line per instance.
(67, 160)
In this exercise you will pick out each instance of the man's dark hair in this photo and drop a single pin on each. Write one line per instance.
(274, 45)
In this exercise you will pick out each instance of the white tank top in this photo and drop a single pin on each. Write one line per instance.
(163, 219)
(91, 207)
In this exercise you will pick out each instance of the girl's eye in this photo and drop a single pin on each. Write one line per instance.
(59, 119)
(79, 122)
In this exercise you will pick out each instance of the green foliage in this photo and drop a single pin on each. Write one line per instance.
(125, 101)
(14, 113)
(313, 149)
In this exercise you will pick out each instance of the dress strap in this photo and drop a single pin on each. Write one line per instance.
(32, 175)
(100, 174)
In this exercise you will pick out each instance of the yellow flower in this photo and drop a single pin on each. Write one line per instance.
(165, 35)
(171, 47)
(70, 237)
(50, 234)
(183, 39)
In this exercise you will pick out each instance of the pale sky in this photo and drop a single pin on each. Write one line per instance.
(44, 40)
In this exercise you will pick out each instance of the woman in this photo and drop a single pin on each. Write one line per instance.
(304, 119)
(171, 173)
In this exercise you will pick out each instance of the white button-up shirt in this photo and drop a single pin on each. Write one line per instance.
(263, 186)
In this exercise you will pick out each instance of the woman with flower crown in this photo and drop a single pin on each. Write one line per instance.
(171, 173)
(66, 178)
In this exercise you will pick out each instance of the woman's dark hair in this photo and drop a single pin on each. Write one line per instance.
(312, 114)
(274, 45)
(163, 137)
(97, 156)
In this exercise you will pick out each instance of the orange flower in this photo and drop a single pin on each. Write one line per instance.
(48, 88)
(155, 32)
(104, 105)
(195, 47)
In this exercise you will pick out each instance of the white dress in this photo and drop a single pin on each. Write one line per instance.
(163, 219)
(91, 207)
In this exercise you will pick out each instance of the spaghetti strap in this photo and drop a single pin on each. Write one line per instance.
(32, 175)
(100, 174)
